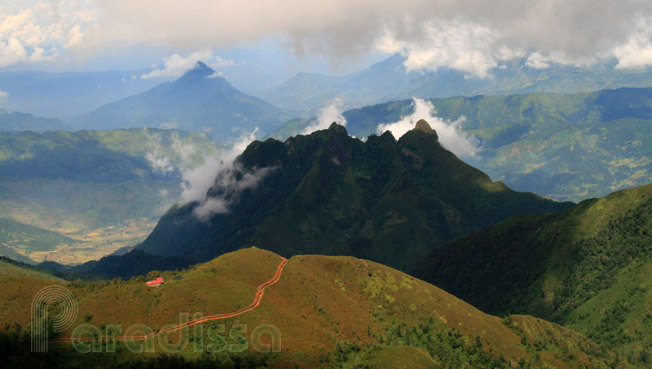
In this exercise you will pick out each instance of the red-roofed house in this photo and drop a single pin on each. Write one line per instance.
(156, 282)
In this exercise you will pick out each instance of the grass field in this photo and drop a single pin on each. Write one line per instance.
(329, 312)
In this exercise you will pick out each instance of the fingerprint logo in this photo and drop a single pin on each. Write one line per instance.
(59, 302)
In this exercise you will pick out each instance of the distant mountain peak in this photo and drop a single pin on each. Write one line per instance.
(201, 65)
(199, 72)
(423, 126)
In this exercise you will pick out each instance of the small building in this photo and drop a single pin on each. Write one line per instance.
(155, 282)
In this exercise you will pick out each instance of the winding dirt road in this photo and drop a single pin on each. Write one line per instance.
(256, 301)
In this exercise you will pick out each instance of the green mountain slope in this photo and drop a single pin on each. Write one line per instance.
(22, 237)
(329, 193)
(199, 101)
(587, 268)
(101, 189)
(112, 156)
(566, 147)
(12, 269)
(330, 312)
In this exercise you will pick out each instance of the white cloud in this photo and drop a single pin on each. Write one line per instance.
(225, 179)
(451, 135)
(455, 44)
(176, 65)
(32, 32)
(222, 174)
(465, 34)
(3, 94)
(326, 117)
(538, 61)
(159, 164)
(11, 52)
(229, 185)
(156, 153)
(197, 181)
(473, 36)
(637, 51)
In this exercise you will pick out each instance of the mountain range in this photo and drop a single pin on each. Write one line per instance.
(541, 143)
(338, 221)
(390, 80)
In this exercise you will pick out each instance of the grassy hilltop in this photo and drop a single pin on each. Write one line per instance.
(330, 312)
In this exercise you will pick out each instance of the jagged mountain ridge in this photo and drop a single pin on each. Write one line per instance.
(329, 193)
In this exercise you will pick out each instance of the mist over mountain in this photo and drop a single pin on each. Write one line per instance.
(199, 101)
(102, 190)
(540, 143)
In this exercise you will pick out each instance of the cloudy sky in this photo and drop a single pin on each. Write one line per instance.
(165, 37)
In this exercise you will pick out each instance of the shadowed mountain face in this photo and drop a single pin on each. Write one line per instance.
(200, 100)
(328, 193)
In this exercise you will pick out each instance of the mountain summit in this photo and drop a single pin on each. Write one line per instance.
(423, 126)
(198, 73)
(329, 193)
(200, 101)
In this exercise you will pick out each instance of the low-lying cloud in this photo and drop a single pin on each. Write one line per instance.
(217, 183)
(198, 180)
(326, 117)
(176, 65)
(230, 183)
(451, 135)
(158, 157)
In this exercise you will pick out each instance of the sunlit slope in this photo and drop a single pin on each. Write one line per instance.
(587, 268)
(10, 268)
(332, 312)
